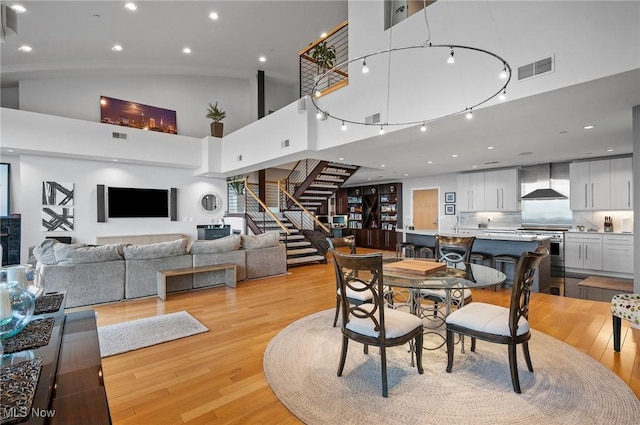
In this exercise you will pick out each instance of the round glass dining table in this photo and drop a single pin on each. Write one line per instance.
(447, 286)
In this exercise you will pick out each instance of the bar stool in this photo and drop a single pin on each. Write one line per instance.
(482, 258)
(500, 262)
(409, 249)
(426, 252)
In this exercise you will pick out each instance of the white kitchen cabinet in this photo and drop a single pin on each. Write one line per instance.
(617, 253)
(621, 184)
(583, 251)
(501, 190)
(590, 185)
(470, 195)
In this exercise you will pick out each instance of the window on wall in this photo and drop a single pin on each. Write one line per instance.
(5, 189)
(398, 10)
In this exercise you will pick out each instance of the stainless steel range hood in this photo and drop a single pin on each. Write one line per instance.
(544, 178)
(544, 194)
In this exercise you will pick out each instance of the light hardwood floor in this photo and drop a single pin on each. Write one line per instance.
(217, 377)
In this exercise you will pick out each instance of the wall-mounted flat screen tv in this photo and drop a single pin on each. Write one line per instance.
(127, 202)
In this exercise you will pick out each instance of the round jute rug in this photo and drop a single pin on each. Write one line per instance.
(567, 386)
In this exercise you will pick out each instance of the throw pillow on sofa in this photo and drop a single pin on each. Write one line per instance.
(263, 240)
(45, 253)
(215, 246)
(156, 250)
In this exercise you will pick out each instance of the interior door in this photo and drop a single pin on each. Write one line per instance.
(425, 209)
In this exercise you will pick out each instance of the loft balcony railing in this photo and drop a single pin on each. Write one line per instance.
(323, 55)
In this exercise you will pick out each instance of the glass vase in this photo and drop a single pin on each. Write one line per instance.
(27, 276)
(16, 308)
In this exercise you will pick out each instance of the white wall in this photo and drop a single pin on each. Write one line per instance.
(278, 95)
(444, 183)
(188, 96)
(86, 175)
(599, 38)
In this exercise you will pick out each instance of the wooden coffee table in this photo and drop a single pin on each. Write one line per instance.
(230, 278)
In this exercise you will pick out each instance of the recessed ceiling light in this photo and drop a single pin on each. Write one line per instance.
(589, 127)
(25, 48)
(490, 147)
(323, 35)
(406, 175)
(474, 166)
(213, 16)
(114, 160)
(186, 50)
(9, 150)
(116, 48)
(369, 178)
(131, 6)
(429, 162)
(610, 150)
(455, 155)
(382, 165)
(19, 8)
(262, 59)
(341, 159)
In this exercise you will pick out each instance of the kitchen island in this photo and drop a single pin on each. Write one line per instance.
(495, 243)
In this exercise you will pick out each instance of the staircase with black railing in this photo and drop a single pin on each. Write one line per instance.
(301, 196)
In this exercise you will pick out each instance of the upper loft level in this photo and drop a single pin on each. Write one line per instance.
(59, 116)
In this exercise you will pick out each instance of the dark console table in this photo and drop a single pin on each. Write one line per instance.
(70, 387)
(213, 231)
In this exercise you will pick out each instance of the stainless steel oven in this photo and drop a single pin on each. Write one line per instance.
(556, 248)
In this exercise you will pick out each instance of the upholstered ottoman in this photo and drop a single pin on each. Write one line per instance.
(624, 306)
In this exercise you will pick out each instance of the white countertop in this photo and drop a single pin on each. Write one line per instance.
(599, 232)
(498, 236)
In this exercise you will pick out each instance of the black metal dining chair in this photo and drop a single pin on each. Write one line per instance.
(373, 323)
(354, 297)
(499, 324)
(452, 250)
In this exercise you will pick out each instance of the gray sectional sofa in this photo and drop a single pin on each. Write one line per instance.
(114, 272)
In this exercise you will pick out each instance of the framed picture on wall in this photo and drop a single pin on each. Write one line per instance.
(450, 209)
(136, 115)
(449, 197)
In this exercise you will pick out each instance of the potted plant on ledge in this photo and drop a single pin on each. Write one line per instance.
(216, 114)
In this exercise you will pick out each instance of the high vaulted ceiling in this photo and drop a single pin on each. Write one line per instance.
(74, 38)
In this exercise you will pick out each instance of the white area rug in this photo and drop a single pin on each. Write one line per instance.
(127, 336)
(567, 386)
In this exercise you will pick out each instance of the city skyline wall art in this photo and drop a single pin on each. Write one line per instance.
(137, 115)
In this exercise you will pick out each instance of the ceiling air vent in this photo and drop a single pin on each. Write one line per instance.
(372, 119)
(116, 135)
(536, 68)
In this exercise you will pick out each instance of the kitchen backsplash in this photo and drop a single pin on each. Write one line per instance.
(622, 220)
(492, 220)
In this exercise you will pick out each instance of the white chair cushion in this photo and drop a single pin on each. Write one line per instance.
(442, 294)
(487, 318)
(397, 323)
(627, 306)
(358, 295)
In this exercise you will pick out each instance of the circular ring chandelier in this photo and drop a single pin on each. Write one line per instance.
(505, 75)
